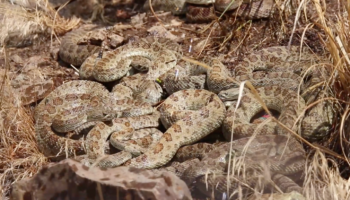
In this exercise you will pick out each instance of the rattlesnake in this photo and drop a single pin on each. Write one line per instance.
(207, 118)
(254, 160)
(201, 10)
(202, 109)
(122, 129)
(279, 99)
(193, 115)
(279, 65)
(115, 64)
(74, 104)
(265, 58)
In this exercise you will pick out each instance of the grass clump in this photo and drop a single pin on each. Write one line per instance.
(19, 155)
(22, 26)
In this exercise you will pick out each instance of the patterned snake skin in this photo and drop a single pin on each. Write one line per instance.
(188, 114)
(281, 156)
(74, 104)
(201, 10)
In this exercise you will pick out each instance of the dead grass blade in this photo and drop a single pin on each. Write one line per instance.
(154, 14)
(19, 154)
(26, 23)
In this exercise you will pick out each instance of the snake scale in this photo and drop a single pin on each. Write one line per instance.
(75, 104)
(284, 156)
(202, 10)
(188, 114)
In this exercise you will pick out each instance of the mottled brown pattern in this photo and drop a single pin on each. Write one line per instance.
(189, 115)
(220, 80)
(283, 101)
(204, 10)
(69, 48)
(50, 110)
(115, 64)
(101, 126)
(71, 97)
(177, 128)
(57, 101)
(283, 157)
(200, 13)
(96, 134)
(165, 148)
(158, 148)
(132, 135)
(280, 67)
(56, 111)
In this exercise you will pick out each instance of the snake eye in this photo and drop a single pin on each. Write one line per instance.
(223, 95)
(197, 86)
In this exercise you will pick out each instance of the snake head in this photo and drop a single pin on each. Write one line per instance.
(318, 122)
(229, 95)
(318, 132)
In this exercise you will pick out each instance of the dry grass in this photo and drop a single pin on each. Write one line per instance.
(34, 23)
(323, 178)
(19, 154)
